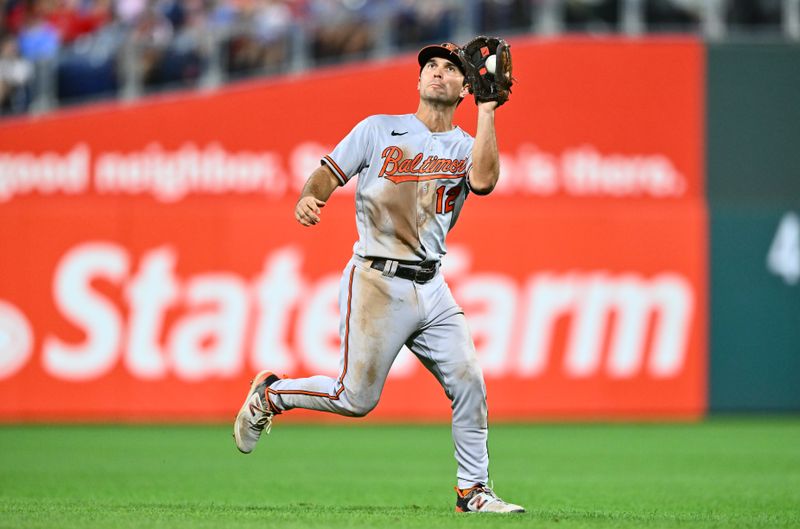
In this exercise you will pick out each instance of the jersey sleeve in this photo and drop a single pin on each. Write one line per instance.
(351, 154)
(469, 166)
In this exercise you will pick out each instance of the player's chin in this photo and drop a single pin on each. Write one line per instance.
(440, 98)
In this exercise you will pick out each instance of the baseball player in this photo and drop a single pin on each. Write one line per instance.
(414, 174)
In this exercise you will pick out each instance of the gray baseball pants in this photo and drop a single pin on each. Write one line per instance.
(380, 314)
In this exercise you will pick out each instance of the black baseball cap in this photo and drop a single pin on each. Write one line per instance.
(445, 50)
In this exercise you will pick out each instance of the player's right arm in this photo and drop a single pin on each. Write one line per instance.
(318, 189)
(346, 160)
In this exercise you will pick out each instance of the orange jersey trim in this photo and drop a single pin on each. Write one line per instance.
(336, 169)
(335, 396)
(423, 178)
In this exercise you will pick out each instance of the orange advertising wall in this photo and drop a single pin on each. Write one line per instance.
(150, 262)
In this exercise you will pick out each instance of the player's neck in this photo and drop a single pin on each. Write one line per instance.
(436, 118)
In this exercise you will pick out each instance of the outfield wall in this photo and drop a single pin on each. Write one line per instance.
(150, 261)
(754, 198)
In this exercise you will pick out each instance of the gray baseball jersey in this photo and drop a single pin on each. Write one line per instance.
(411, 183)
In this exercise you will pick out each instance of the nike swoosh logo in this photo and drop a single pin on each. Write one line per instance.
(399, 133)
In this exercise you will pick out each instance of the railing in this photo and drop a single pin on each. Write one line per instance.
(122, 67)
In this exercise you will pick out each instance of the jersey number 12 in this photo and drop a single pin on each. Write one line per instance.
(446, 205)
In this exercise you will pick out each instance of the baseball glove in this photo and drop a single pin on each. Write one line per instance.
(483, 84)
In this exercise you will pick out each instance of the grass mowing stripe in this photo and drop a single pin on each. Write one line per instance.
(720, 473)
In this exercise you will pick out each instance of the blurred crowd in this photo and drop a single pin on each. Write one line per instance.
(85, 49)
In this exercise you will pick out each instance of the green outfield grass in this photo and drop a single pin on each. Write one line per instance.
(722, 473)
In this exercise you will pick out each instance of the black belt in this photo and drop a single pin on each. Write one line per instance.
(418, 275)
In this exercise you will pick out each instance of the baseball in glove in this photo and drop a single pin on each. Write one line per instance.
(487, 65)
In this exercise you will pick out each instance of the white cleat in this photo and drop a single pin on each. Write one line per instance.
(256, 414)
(481, 498)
